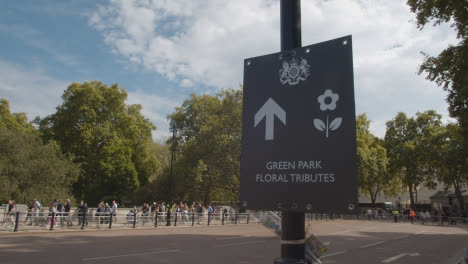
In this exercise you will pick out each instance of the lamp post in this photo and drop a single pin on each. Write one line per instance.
(171, 179)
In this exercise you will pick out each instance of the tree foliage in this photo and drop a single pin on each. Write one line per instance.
(207, 147)
(412, 146)
(450, 68)
(13, 121)
(28, 168)
(452, 162)
(107, 137)
(373, 176)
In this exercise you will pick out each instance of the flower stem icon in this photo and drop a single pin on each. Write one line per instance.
(328, 102)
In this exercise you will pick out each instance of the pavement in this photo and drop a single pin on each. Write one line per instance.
(348, 241)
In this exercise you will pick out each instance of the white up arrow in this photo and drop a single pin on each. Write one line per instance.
(269, 110)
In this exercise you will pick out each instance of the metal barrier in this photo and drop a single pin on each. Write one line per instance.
(105, 220)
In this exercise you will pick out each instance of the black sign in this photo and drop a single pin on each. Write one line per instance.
(299, 130)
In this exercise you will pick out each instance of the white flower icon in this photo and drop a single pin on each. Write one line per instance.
(330, 105)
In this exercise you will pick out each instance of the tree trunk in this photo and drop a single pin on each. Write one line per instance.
(461, 202)
(410, 189)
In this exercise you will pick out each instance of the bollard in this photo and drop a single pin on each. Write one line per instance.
(193, 218)
(83, 221)
(248, 218)
(134, 219)
(168, 222)
(16, 222)
(110, 221)
(222, 219)
(175, 219)
(236, 219)
(52, 219)
(156, 220)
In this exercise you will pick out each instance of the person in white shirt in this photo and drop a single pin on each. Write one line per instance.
(114, 211)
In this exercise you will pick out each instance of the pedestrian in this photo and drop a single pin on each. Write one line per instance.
(52, 214)
(10, 212)
(412, 215)
(395, 215)
(36, 211)
(114, 211)
(80, 212)
(84, 212)
(98, 214)
(60, 211)
(145, 213)
(29, 215)
(66, 215)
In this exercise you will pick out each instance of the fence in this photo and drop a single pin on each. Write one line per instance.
(125, 218)
(122, 219)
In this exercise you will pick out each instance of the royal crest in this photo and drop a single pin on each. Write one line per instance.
(294, 71)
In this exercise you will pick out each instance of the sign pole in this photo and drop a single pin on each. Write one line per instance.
(292, 223)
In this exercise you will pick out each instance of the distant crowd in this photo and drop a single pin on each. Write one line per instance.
(411, 215)
(105, 212)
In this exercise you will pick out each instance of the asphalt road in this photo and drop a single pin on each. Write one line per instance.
(348, 241)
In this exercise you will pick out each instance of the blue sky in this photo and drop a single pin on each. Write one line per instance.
(161, 51)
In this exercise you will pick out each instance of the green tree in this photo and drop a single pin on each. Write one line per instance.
(372, 163)
(207, 147)
(452, 162)
(450, 68)
(15, 121)
(110, 139)
(29, 169)
(412, 146)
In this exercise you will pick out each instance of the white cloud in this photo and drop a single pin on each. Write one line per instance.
(37, 94)
(206, 41)
(30, 90)
(156, 109)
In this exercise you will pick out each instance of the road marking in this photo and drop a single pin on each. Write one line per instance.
(333, 254)
(131, 255)
(401, 237)
(394, 258)
(351, 230)
(326, 243)
(420, 232)
(243, 243)
(370, 245)
(400, 256)
(228, 238)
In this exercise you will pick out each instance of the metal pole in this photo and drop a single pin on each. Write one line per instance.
(134, 219)
(222, 220)
(110, 221)
(292, 223)
(168, 220)
(52, 219)
(156, 220)
(16, 222)
(193, 218)
(175, 218)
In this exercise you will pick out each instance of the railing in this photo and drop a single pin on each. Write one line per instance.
(105, 220)
(101, 220)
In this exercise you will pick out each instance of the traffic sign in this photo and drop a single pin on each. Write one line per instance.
(299, 130)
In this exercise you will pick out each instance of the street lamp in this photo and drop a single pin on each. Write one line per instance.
(171, 179)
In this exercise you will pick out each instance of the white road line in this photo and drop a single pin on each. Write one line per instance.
(228, 238)
(351, 230)
(333, 254)
(131, 255)
(243, 243)
(370, 245)
(420, 232)
(394, 258)
(400, 237)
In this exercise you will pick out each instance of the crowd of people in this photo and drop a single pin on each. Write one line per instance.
(59, 212)
(411, 215)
